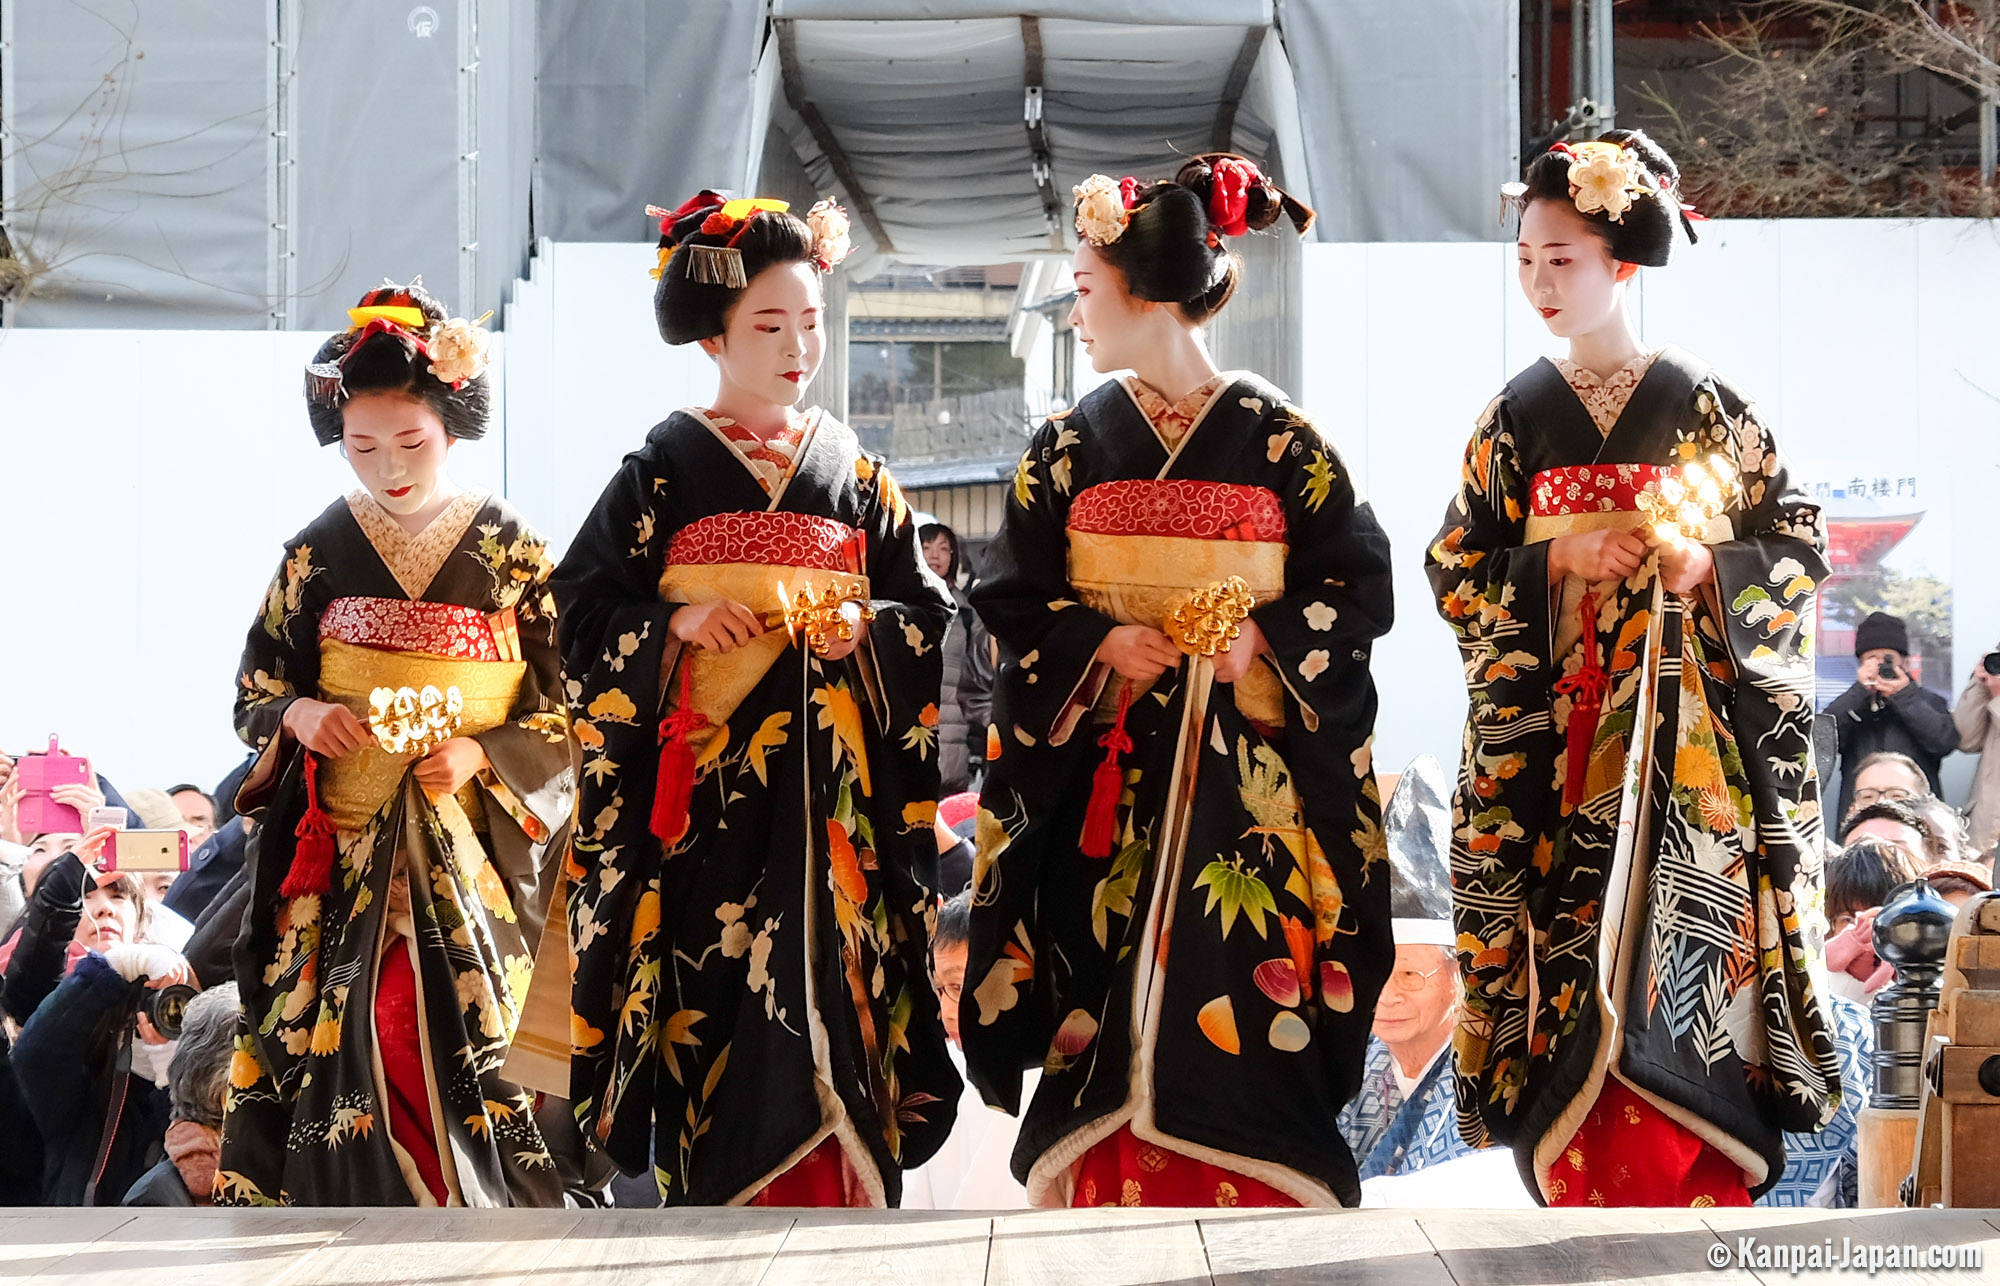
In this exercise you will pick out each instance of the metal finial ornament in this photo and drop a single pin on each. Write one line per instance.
(408, 722)
(1211, 618)
(819, 621)
(1911, 933)
(1688, 499)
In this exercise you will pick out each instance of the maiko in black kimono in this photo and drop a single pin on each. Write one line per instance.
(752, 996)
(1635, 863)
(1247, 834)
(379, 1008)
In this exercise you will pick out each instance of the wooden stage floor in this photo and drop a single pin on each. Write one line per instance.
(1090, 1248)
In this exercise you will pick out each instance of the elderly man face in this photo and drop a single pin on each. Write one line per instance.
(1419, 1004)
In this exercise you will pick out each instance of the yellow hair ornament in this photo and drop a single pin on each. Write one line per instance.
(403, 315)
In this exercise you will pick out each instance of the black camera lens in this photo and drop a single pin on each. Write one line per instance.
(166, 1008)
(1991, 662)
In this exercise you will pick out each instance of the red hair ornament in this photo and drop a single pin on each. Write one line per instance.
(1230, 181)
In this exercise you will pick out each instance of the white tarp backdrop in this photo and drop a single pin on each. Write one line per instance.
(146, 499)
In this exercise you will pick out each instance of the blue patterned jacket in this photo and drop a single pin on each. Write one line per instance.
(1391, 1136)
(1809, 1158)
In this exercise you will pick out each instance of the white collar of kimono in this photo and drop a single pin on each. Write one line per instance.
(1413, 933)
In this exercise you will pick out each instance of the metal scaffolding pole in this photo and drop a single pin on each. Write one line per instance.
(1603, 90)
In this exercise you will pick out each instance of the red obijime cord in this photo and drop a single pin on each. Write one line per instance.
(1586, 688)
(675, 787)
(311, 871)
(1100, 820)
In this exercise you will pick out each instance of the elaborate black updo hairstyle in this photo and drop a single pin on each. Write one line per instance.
(1645, 233)
(390, 358)
(695, 293)
(1172, 249)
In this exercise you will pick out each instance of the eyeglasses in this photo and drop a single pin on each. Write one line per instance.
(949, 992)
(1410, 980)
(1873, 794)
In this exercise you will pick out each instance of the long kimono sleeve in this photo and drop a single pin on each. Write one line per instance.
(903, 667)
(1337, 601)
(1493, 590)
(531, 767)
(1027, 602)
(1767, 579)
(280, 664)
(1492, 586)
(534, 779)
(612, 633)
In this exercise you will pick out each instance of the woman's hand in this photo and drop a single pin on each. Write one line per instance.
(838, 649)
(90, 849)
(326, 728)
(721, 625)
(445, 770)
(1596, 555)
(10, 804)
(80, 795)
(1685, 565)
(1248, 646)
(1139, 653)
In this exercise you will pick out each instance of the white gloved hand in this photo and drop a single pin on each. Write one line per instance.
(149, 962)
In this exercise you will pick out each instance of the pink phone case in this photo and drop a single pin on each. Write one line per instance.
(111, 850)
(38, 813)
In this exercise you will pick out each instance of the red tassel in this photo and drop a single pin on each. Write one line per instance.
(675, 787)
(1100, 820)
(311, 873)
(1586, 689)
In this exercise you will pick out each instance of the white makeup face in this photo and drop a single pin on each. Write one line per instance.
(1108, 319)
(397, 446)
(1567, 271)
(772, 343)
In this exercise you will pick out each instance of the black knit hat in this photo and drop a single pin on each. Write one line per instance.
(1882, 630)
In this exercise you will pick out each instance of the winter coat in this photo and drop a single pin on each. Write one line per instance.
(952, 762)
(68, 1065)
(160, 1186)
(1915, 722)
(218, 859)
(36, 957)
(1977, 716)
(20, 1142)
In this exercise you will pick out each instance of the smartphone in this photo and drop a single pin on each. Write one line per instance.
(105, 816)
(146, 851)
(38, 813)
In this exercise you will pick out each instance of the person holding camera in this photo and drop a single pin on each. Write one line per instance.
(1977, 717)
(92, 1070)
(99, 1009)
(1886, 709)
(197, 1081)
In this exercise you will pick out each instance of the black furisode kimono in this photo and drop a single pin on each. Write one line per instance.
(1635, 861)
(379, 1008)
(755, 996)
(1247, 834)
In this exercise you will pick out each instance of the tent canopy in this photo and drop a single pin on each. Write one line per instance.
(957, 139)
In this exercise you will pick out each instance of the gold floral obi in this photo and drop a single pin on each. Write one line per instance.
(370, 643)
(762, 560)
(1139, 548)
